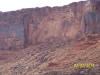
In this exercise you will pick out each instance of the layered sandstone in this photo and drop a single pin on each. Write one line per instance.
(21, 28)
(48, 33)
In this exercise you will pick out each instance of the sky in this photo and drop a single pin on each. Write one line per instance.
(11, 5)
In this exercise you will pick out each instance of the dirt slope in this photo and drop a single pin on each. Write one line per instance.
(55, 58)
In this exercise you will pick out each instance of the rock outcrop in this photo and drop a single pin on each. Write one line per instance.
(21, 28)
(49, 34)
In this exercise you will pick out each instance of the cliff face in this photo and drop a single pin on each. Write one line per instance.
(47, 33)
(18, 29)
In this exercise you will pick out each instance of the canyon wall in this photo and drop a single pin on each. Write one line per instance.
(21, 28)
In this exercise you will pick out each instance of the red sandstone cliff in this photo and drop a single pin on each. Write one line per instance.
(21, 28)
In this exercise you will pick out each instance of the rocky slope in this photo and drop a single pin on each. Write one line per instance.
(55, 58)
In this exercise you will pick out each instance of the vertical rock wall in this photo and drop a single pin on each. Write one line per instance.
(19, 29)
